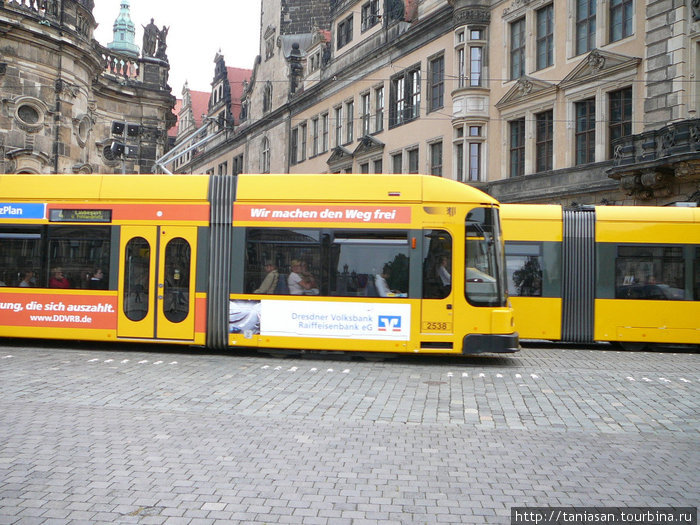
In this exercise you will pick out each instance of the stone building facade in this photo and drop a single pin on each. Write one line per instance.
(567, 101)
(61, 93)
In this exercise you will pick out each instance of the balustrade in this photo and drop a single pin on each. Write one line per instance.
(119, 64)
(677, 138)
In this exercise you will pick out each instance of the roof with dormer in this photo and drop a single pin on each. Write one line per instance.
(236, 79)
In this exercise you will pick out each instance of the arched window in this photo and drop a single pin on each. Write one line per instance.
(265, 157)
(267, 97)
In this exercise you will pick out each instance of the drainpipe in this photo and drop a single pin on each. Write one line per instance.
(58, 88)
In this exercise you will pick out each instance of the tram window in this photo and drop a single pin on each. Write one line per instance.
(369, 263)
(137, 274)
(696, 281)
(484, 272)
(176, 290)
(79, 251)
(524, 265)
(339, 263)
(437, 264)
(21, 256)
(283, 247)
(650, 272)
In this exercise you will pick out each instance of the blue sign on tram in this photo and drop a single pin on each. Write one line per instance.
(10, 210)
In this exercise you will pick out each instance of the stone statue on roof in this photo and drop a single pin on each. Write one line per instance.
(162, 46)
(150, 35)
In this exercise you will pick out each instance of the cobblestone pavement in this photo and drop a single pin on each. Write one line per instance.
(139, 434)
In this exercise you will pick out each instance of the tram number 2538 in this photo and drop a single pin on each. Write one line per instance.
(437, 326)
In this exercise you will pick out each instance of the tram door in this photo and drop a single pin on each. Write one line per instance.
(156, 282)
(438, 298)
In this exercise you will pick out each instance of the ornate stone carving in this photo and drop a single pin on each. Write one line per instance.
(524, 87)
(82, 168)
(596, 61)
(467, 16)
(83, 25)
(689, 170)
(695, 133)
(517, 4)
(617, 154)
(668, 139)
(653, 178)
(630, 183)
(64, 88)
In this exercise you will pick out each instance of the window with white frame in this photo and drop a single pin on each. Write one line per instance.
(397, 162)
(378, 109)
(349, 121)
(315, 61)
(366, 113)
(265, 157)
(544, 140)
(517, 147)
(469, 53)
(545, 36)
(302, 150)
(436, 159)
(324, 136)
(621, 19)
(344, 32)
(459, 161)
(315, 136)
(620, 116)
(517, 48)
(476, 62)
(370, 14)
(585, 131)
(468, 152)
(461, 54)
(404, 97)
(238, 164)
(585, 25)
(437, 83)
(294, 146)
(338, 115)
(413, 160)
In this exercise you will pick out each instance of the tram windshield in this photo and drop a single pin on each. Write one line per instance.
(485, 266)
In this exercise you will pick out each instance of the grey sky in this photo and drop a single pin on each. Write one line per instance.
(198, 30)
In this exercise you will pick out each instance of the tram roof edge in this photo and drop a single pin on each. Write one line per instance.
(105, 187)
(344, 188)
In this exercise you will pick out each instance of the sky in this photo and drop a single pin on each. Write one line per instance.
(198, 30)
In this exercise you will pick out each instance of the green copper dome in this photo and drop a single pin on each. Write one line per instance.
(124, 33)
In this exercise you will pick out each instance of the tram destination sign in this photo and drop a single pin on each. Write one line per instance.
(78, 215)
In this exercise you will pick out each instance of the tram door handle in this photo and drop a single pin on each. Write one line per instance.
(449, 307)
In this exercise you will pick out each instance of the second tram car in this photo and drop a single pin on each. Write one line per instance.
(352, 263)
(627, 274)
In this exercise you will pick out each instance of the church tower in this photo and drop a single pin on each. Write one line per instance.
(124, 33)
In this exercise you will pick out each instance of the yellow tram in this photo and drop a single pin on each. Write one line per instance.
(629, 274)
(315, 262)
